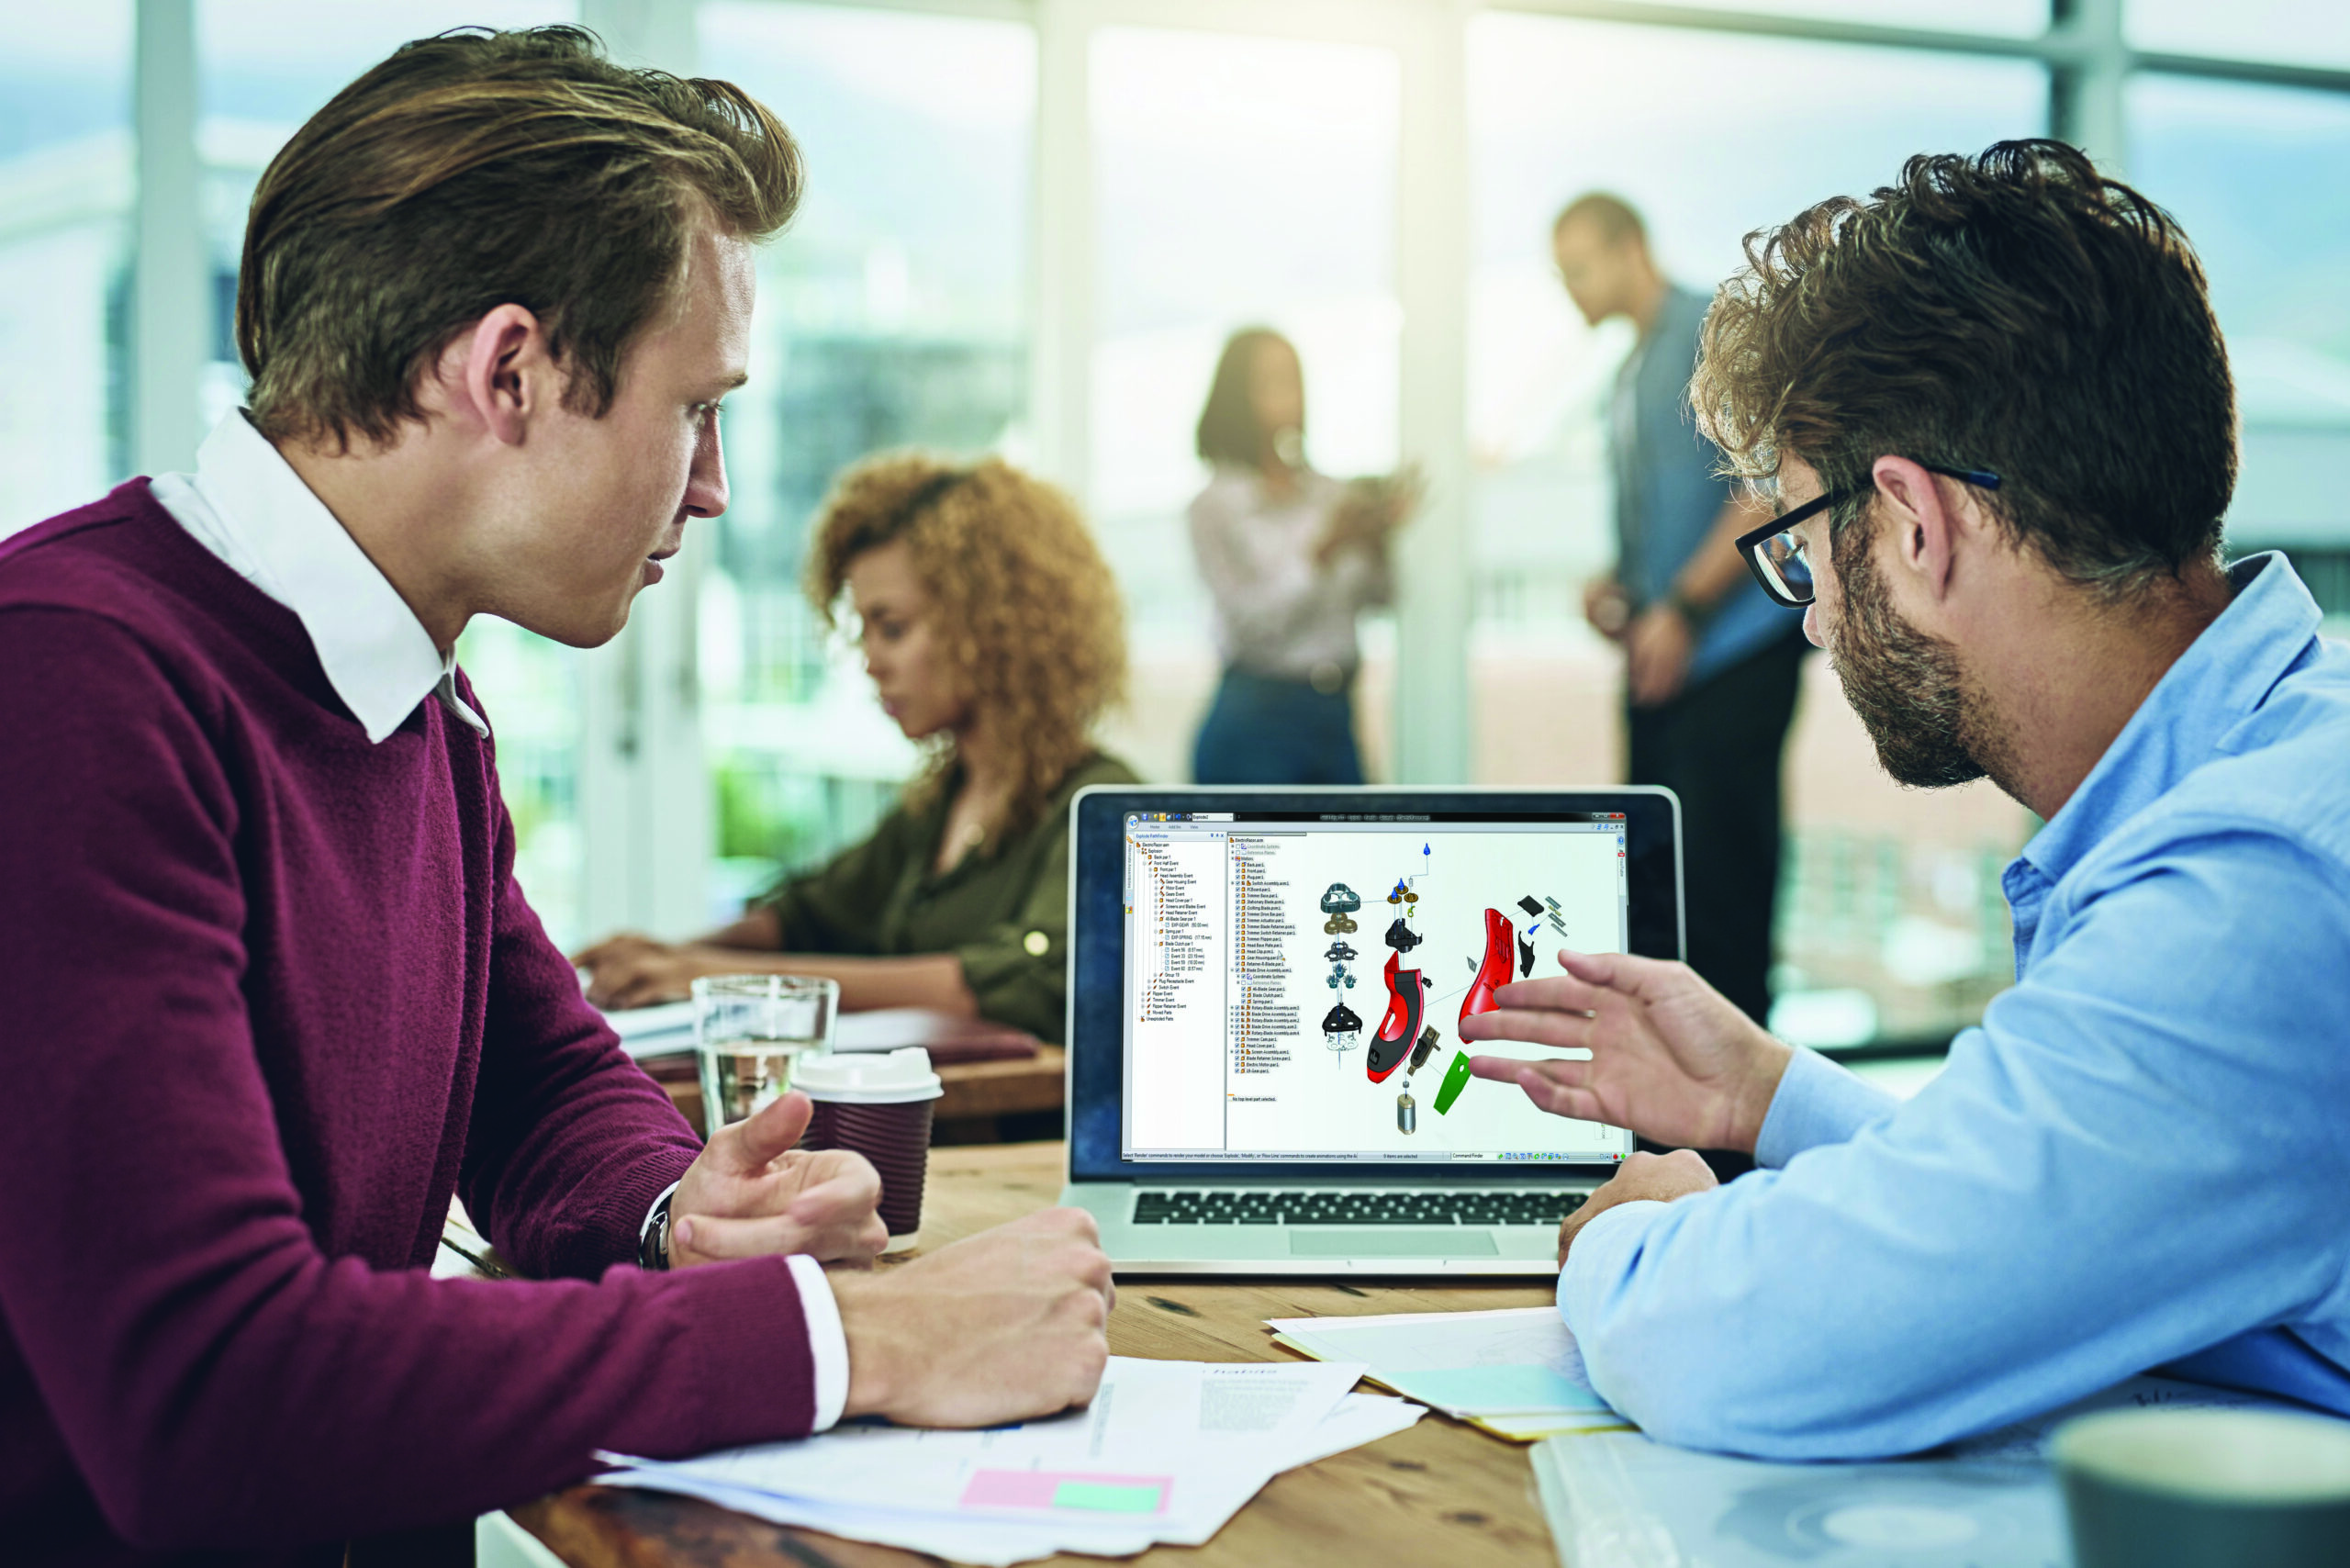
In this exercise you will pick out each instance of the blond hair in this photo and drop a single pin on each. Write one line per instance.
(1030, 620)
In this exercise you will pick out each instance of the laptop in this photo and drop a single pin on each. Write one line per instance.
(1266, 988)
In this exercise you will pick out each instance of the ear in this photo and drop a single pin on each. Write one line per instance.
(497, 375)
(1925, 532)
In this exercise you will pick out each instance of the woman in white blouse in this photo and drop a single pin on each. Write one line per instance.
(1290, 556)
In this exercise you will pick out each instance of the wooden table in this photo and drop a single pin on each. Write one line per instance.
(1441, 1495)
(977, 1093)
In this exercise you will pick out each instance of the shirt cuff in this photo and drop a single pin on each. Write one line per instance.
(827, 1344)
(1818, 1102)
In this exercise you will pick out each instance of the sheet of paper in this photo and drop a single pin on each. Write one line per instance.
(669, 1026)
(1533, 1426)
(1167, 1452)
(1518, 1360)
(970, 1536)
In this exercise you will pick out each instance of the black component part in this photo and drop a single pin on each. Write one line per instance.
(1402, 937)
(1340, 900)
(1341, 953)
(1530, 907)
(1341, 1020)
(1337, 1206)
(1428, 1038)
(1524, 956)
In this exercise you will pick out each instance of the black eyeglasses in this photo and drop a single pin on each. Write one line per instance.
(1776, 556)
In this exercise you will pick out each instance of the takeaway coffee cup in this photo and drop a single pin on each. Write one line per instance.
(878, 1103)
(2158, 1488)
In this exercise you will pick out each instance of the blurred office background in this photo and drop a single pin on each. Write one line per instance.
(1031, 224)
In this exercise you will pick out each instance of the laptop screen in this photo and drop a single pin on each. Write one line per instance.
(1294, 980)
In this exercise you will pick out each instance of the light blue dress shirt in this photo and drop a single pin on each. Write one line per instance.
(2141, 1159)
(1670, 489)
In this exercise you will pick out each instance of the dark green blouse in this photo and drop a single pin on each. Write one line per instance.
(1004, 910)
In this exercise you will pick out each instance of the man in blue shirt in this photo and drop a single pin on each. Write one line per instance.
(1999, 414)
(1710, 664)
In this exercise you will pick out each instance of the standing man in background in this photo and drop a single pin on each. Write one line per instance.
(1710, 666)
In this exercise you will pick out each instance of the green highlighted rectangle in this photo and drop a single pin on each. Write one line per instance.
(1101, 1499)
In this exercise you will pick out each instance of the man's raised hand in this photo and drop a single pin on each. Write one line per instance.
(751, 1195)
(1671, 1058)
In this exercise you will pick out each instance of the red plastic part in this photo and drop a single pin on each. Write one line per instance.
(1494, 972)
(1391, 1048)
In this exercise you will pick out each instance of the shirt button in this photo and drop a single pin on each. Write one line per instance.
(1037, 943)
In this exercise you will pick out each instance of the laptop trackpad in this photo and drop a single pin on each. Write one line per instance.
(1318, 1242)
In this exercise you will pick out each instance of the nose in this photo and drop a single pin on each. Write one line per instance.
(706, 480)
(1811, 625)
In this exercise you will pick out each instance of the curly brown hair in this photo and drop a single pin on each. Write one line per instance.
(1034, 628)
(2014, 311)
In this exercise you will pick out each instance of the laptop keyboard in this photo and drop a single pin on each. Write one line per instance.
(1423, 1206)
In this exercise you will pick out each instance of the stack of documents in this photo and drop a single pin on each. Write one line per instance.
(1627, 1501)
(1515, 1373)
(1166, 1453)
(668, 1026)
(653, 1031)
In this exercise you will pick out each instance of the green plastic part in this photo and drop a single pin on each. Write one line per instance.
(1456, 1079)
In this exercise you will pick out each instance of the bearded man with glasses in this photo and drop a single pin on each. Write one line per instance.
(1995, 410)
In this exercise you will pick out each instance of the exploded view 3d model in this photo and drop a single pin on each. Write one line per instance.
(1400, 1030)
(1341, 1026)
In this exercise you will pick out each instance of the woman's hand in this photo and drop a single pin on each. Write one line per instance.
(633, 970)
(1369, 511)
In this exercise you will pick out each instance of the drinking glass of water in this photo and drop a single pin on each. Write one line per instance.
(749, 1030)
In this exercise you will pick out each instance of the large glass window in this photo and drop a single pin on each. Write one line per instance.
(66, 185)
(2012, 18)
(1237, 182)
(265, 67)
(2298, 32)
(2254, 174)
(894, 313)
(1890, 920)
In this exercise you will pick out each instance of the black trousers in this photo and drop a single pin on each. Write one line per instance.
(1719, 747)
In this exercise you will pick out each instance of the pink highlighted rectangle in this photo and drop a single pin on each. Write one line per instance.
(1067, 1489)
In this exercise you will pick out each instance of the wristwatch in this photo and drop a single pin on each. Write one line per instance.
(653, 1241)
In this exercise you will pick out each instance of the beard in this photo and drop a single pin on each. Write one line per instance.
(1928, 727)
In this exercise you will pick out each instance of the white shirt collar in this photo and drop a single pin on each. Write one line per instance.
(246, 504)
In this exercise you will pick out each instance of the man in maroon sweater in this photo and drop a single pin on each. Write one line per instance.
(273, 994)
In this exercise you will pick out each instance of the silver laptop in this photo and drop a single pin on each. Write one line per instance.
(1265, 990)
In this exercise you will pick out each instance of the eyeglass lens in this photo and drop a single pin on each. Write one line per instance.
(1784, 555)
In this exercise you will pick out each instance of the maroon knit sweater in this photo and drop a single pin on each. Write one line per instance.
(268, 996)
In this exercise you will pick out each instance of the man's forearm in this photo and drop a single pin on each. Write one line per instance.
(1716, 567)
(759, 930)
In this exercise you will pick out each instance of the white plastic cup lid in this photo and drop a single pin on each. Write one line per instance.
(868, 1078)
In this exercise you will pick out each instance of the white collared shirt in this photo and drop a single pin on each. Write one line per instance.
(247, 505)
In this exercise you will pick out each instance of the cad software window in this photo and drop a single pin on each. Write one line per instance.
(1294, 985)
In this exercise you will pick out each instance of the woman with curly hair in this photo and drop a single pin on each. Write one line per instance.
(991, 627)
